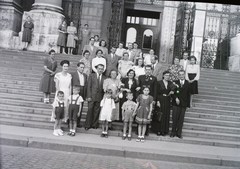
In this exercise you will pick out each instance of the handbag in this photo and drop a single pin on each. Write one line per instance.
(157, 115)
(75, 37)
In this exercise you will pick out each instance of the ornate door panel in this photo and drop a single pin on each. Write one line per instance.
(72, 12)
(115, 25)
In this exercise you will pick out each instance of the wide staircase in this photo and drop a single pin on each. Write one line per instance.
(214, 120)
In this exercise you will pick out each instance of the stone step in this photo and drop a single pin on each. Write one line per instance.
(212, 122)
(221, 107)
(212, 101)
(217, 98)
(214, 111)
(217, 92)
(219, 72)
(212, 116)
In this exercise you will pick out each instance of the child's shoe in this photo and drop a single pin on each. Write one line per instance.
(129, 137)
(124, 137)
(106, 135)
(142, 139)
(102, 135)
(69, 133)
(73, 134)
(60, 133)
(138, 139)
(55, 133)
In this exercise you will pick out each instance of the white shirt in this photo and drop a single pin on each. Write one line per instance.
(120, 52)
(185, 64)
(81, 78)
(182, 82)
(74, 97)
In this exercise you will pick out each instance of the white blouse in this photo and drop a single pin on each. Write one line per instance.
(193, 69)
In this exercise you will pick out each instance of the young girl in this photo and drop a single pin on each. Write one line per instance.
(58, 113)
(107, 105)
(128, 108)
(143, 112)
(75, 104)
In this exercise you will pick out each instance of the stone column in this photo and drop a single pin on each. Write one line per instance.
(10, 24)
(47, 15)
(234, 58)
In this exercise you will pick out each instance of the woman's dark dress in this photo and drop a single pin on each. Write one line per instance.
(193, 87)
(47, 84)
(27, 32)
(163, 125)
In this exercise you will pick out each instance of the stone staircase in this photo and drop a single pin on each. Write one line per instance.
(214, 120)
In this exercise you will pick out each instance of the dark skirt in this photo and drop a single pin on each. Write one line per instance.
(27, 35)
(47, 84)
(193, 87)
(163, 125)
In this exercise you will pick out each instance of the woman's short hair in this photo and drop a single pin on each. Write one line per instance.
(125, 53)
(165, 72)
(131, 70)
(98, 51)
(193, 58)
(51, 51)
(64, 62)
(142, 62)
(112, 70)
(86, 51)
(100, 43)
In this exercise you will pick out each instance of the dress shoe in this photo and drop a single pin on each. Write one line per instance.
(86, 128)
(172, 135)
(179, 136)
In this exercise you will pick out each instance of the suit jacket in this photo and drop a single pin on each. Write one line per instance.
(182, 63)
(76, 82)
(111, 63)
(158, 70)
(182, 93)
(162, 90)
(151, 82)
(94, 90)
(92, 51)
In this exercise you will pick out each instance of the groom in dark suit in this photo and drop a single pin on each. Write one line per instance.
(80, 79)
(181, 100)
(94, 96)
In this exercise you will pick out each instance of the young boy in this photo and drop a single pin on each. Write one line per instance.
(128, 108)
(74, 110)
(58, 113)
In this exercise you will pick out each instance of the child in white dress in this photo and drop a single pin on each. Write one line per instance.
(107, 105)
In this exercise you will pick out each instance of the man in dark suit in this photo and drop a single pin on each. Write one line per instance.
(112, 61)
(150, 81)
(80, 79)
(94, 96)
(181, 100)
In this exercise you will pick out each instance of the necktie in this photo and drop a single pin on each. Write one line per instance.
(152, 67)
(99, 80)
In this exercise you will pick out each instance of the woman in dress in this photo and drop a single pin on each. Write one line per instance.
(165, 89)
(114, 84)
(102, 46)
(71, 44)
(192, 76)
(85, 36)
(63, 83)
(174, 69)
(61, 42)
(124, 65)
(47, 84)
(99, 59)
(27, 33)
(129, 85)
(139, 68)
(87, 69)
(136, 53)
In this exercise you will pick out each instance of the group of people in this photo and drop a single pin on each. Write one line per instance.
(125, 86)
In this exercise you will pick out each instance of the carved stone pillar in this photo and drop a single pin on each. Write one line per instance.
(47, 16)
(10, 24)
